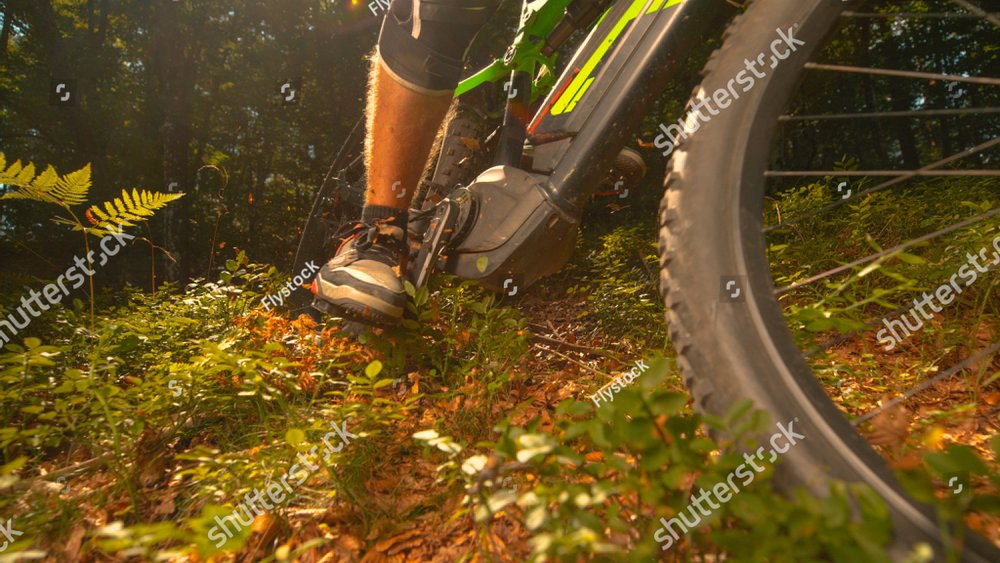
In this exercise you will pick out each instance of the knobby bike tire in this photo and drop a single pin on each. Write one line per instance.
(461, 154)
(711, 230)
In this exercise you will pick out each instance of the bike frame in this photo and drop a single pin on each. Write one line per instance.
(538, 19)
(518, 219)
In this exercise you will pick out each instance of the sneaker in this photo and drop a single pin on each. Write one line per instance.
(362, 282)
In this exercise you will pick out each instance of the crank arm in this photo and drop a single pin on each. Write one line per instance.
(435, 239)
(452, 220)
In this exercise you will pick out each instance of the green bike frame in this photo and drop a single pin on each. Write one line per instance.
(519, 217)
(538, 19)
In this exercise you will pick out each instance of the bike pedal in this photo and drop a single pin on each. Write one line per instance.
(630, 164)
(626, 173)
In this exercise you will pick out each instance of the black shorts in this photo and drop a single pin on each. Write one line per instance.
(423, 42)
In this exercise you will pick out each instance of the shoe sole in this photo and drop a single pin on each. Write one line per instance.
(352, 313)
(349, 305)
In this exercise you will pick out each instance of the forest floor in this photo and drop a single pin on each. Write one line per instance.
(399, 509)
(473, 435)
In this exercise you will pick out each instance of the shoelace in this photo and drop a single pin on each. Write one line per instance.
(367, 236)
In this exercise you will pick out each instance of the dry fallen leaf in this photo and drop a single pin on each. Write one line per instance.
(153, 470)
(891, 426)
(74, 543)
(390, 545)
(166, 506)
(264, 529)
(350, 542)
(909, 461)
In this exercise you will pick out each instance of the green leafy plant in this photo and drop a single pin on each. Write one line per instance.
(70, 190)
(620, 281)
(597, 484)
(969, 478)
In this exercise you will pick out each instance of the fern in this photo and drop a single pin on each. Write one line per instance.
(48, 186)
(72, 189)
(124, 211)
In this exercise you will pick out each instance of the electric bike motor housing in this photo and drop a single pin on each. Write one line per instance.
(504, 228)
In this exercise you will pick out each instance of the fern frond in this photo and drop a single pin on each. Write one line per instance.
(72, 188)
(48, 186)
(126, 211)
(46, 180)
(17, 175)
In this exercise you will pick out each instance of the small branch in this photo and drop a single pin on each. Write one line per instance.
(574, 347)
(581, 364)
(90, 262)
(152, 259)
(654, 280)
(54, 475)
(160, 248)
(224, 176)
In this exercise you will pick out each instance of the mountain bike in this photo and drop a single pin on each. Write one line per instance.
(532, 139)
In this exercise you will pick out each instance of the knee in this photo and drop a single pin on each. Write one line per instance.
(423, 44)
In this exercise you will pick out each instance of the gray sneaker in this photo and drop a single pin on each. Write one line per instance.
(362, 282)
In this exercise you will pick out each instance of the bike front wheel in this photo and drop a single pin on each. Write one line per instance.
(733, 331)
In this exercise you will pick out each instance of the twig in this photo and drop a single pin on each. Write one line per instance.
(581, 364)
(574, 347)
(224, 176)
(552, 327)
(40, 257)
(54, 475)
(653, 278)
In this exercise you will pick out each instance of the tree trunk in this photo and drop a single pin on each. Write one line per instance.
(44, 25)
(901, 99)
(174, 71)
(5, 32)
(875, 125)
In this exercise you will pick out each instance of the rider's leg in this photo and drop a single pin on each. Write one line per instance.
(402, 125)
(417, 66)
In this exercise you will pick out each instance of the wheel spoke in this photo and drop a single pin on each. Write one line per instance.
(943, 375)
(979, 12)
(887, 184)
(907, 173)
(904, 73)
(888, 251)
(913, 15)
(879, 114)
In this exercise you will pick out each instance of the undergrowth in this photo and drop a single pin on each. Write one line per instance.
(134, 436)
